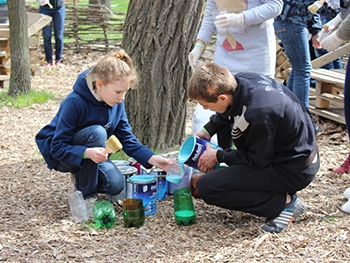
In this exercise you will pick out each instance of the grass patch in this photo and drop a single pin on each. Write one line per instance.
(25, 100)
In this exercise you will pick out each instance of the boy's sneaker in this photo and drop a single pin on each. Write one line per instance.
(344, 168)
(48, 64)
(290, 212)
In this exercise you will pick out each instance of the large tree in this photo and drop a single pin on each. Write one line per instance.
(159, 35)
(20, 77)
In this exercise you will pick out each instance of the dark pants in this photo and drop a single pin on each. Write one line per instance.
(261, 192)
(4, 19)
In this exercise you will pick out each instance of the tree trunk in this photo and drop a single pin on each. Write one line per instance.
(159, 35)
(20, 77)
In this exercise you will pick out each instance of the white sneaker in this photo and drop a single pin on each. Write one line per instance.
(346, 207)
(347, 194)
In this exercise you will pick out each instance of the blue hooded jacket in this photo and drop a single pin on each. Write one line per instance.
(79, 110)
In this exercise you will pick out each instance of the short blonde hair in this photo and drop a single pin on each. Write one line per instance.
(209, 81)
(114, 66)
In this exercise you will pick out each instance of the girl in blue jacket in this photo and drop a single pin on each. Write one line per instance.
(74, 141)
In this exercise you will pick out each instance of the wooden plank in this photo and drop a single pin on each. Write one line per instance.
(36, 22)
(4, 77)
(327, 76)
(333, 98)
(330, 56)
(327, 113)
(4, 32)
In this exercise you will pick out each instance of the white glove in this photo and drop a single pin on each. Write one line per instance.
(333, 24)
(44, 2)
(334, 4)
(331, 42)
(228, 20)
(194, 55)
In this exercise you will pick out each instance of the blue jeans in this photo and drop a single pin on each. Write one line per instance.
(58, 17)
(347, 97)
(4, 19)
(93, 178)
(296, 45)
(335, 64)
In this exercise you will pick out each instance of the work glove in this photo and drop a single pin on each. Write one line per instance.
(331, 42)
(329, 27)
(44, 2)
(194, 55)
(334, 4)
(229, 19)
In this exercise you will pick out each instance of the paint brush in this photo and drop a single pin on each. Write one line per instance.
(316, 6)
(113, 145)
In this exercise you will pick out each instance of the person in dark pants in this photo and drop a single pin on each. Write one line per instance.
(276, 153)
(55, 9)
(4, 19)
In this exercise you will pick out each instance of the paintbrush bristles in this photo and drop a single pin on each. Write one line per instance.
(113, 145)
(315, 6)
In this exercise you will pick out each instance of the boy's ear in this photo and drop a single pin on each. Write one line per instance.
(222, 97)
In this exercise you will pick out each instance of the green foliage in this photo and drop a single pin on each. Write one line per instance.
(25, 100)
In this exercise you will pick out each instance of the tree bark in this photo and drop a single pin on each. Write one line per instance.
(159, 35)
(20, 77)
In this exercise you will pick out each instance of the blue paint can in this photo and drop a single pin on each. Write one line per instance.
(143, 187)
(191, 149)
(162, 183)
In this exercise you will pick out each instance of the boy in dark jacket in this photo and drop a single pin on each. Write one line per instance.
(276, 153)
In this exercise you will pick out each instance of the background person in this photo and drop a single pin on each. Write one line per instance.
(57, 11)
(292, 27)
(245, 41)
(4, 18)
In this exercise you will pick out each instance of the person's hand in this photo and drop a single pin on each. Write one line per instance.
(331, 25)
(194, 55)
(202, 134)
(208, 160)
(315, 42)
(161, 162)
(334, 4)
(331, 42)
(229, 19)
(44, 2)
(97, 154)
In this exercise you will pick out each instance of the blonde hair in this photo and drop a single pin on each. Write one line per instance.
(114, 66)
(209, 81)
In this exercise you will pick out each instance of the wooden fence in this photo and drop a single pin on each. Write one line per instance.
(91, 27)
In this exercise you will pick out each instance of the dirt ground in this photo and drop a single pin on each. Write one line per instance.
(36, 224)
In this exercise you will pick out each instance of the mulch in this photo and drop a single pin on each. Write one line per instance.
(36, 224)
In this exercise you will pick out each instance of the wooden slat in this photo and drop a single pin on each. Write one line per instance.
(330, 56)
(329, 114)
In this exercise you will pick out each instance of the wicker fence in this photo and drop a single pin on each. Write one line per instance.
(91, 28)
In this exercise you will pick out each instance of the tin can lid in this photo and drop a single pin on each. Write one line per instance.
(127, 170)
(120, 162)
(142, 179)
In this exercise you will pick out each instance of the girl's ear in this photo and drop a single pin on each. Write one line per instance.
(99, 84)
(222, 97)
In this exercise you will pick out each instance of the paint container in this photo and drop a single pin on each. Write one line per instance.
(120, 163)
(185, 182)
(143, 187)
(191, 149)
(133, 162)
(127, 172)
(162, 183)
